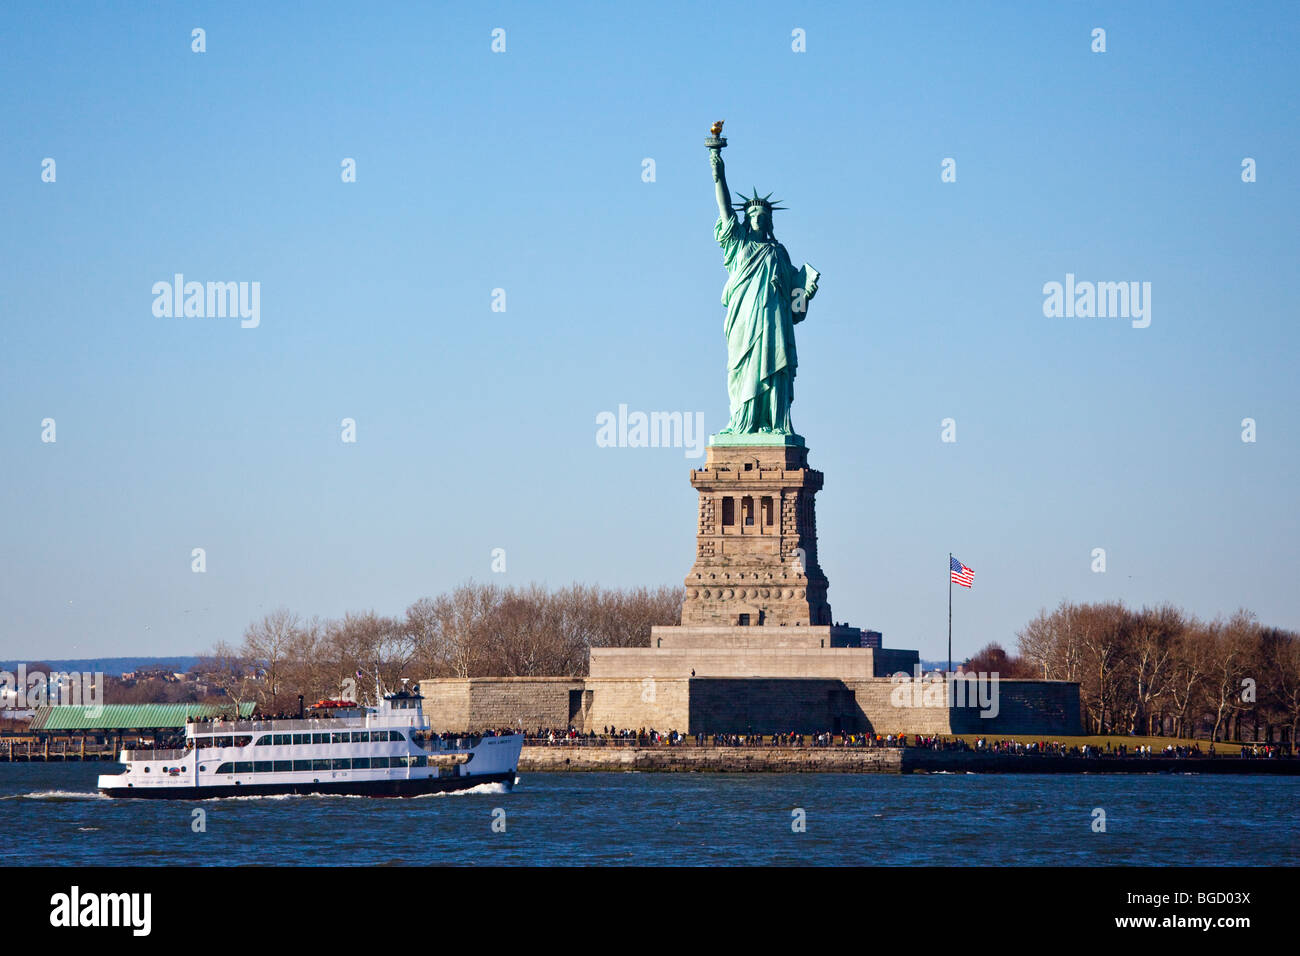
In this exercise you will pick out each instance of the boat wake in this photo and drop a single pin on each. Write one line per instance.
(482, 788)
(258, 796)
(62, 795)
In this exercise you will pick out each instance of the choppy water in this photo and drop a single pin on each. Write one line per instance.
(53, 812)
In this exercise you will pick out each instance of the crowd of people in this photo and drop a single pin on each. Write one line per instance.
(650, 737)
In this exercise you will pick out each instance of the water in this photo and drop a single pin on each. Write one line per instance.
(677, 819)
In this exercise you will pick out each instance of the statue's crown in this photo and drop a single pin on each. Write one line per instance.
(746, 202)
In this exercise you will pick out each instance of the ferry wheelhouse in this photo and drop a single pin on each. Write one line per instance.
(383, 751)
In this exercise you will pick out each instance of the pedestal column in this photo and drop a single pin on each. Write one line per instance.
(756, 539)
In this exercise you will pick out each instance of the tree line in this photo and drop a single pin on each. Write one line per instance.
(1161, 671)
(475, 630)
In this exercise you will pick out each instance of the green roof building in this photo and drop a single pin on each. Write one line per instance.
(148, 718)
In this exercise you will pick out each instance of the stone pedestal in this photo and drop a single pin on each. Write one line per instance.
(756, 539)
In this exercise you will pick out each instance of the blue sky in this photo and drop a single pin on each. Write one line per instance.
(522, 171)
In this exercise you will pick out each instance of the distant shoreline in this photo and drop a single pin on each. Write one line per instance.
(109, 666)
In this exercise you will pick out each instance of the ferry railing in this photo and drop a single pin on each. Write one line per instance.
(452, 744)
(155, 754)
(272, 726)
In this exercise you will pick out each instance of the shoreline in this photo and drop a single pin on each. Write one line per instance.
(688, 759)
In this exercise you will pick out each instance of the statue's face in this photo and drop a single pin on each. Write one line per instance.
(759, 220)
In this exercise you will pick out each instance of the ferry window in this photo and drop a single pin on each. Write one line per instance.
(360, 763)
(262, 766)
(320, 764)
(339, 738)
(226, 767)
(302, 765)
(264, 740)
(221, 741)
(243, 741)
(146, 769)
(320, 738)
(379, 763)
(282, 765)
(342, 763)
(364, 737)
(421, 761)
(282, 739)
(243, 766)
(395, 735)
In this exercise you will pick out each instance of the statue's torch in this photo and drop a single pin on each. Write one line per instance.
(716, 140)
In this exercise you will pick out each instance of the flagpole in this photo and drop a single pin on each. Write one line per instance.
(949, 612)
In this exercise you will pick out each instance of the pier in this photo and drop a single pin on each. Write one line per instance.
(23, 748)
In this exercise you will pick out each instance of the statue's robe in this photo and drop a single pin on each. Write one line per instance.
(759, 328)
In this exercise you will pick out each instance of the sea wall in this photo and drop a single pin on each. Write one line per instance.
(1023, 707)
(635, 702)
(710, 759)
(767, 705)
(686, 759)
(478, 703)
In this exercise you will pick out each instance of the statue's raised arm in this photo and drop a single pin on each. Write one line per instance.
(720, 184)
(715, 142)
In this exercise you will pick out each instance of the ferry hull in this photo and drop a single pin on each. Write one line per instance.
(348, 788)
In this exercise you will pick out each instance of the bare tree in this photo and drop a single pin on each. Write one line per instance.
(1230, 644)
(992, 658)
(1051, 644)
(267, 647)
(1153, 637)
(227, 670)
(1281, 654)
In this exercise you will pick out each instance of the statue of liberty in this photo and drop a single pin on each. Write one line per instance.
(765, 297)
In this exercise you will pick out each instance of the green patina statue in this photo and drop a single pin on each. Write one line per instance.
(765, 296)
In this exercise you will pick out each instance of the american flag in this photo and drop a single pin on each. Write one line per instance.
(961, 574)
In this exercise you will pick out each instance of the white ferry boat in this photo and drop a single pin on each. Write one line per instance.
(384, 751)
